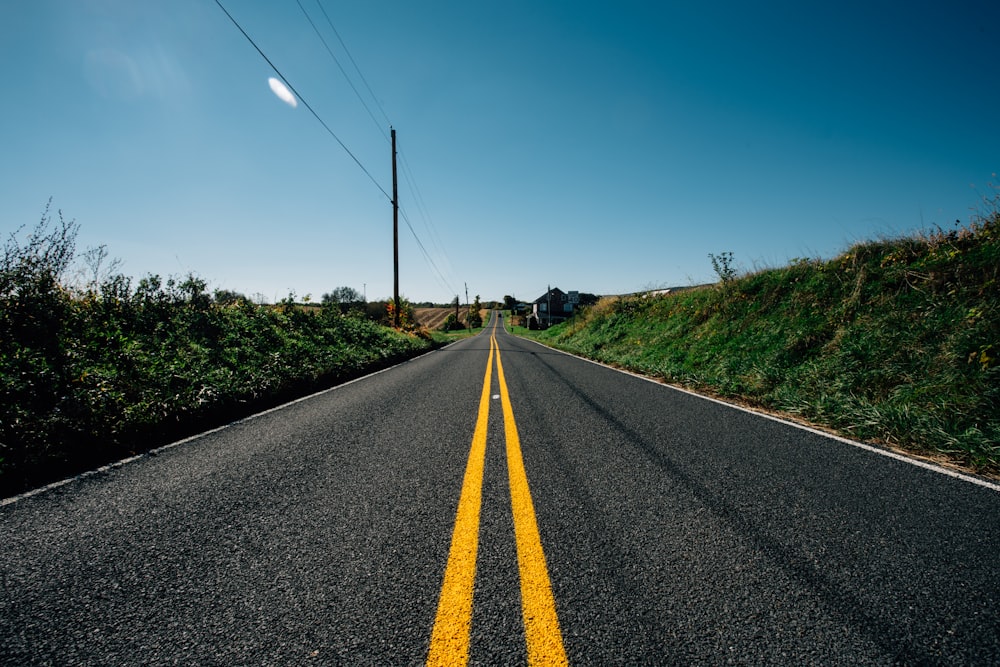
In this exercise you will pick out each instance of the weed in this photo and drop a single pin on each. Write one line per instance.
(722, 264)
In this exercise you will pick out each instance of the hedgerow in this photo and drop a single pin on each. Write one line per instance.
(91, 373)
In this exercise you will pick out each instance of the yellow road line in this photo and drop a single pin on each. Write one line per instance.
(453, 624)
(538, 606)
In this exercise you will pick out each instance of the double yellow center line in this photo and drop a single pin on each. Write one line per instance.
(453, 623)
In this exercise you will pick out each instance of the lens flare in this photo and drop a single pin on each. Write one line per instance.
(282, 92)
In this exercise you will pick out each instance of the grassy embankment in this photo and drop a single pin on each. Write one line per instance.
(895, 342)
(89, 375)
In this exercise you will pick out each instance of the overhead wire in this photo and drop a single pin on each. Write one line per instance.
(444, 281)
(407, 175)
(354, 62)
(304, 102)
(341, 67)
(406, 171)
(422, 208)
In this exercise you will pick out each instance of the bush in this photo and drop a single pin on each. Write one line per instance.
(87, 376)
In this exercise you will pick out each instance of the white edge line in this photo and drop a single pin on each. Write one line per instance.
(153, 452)
(861, 445)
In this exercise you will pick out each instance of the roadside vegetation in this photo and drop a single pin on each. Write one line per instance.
(894, 341)
(96, 368)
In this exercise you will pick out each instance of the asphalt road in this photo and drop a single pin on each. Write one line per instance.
(675, 531)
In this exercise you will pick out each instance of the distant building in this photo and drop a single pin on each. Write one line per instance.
(553, 307)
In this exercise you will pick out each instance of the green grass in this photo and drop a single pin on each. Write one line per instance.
(896, 342)
(445, 337)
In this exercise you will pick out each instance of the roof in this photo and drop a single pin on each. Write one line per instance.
(555, 292)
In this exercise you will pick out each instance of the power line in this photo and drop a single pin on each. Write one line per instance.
(417, 197)
(427, 256)
(422, 209)
(407, 172)
(304, 102)
(339, 66)
(354, 62)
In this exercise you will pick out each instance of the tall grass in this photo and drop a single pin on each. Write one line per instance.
(894, 341)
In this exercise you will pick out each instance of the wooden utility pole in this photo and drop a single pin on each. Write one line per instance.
(395, 236)
(548, 306)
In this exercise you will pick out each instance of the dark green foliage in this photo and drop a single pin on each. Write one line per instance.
(475, 318)
(227, 297)
(344, 296)
(89, 376)
(893, 341)
(451, 323)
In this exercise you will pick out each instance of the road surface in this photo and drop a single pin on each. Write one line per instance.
(501, 502)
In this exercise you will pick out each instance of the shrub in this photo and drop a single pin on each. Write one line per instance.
(89, 375)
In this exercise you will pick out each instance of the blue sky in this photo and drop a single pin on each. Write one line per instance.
(605, 147)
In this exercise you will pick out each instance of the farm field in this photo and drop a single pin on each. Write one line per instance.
(433, 318)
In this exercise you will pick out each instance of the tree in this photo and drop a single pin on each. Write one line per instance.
(475, 319)
(192, 290)
(344, 295)
(228, 297)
